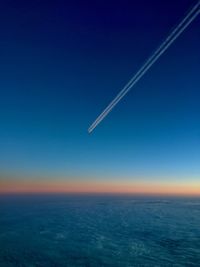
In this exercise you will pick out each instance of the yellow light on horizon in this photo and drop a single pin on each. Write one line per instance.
(94, 186)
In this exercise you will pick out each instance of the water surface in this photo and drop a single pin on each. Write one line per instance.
(99, 230)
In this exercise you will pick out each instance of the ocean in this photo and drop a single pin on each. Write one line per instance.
(99, 230)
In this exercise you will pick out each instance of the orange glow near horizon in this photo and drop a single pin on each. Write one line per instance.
(94, 186)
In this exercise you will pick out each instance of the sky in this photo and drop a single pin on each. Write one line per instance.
(62, 62)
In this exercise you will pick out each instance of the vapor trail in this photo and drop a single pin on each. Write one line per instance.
(147, 62)
(162, 48)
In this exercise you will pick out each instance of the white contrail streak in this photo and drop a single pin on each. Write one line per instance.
(146, 63)
(162, 48)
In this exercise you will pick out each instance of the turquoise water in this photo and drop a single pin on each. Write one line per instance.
(99, 230)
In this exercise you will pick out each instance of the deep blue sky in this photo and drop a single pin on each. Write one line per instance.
(62, 62)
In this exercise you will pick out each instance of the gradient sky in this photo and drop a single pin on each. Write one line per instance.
(62, 62)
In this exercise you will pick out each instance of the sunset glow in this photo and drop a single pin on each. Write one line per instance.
(97, 186)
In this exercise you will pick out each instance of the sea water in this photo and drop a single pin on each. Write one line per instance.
(99, 230)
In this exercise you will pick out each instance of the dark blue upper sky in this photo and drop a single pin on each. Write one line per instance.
(62, 62)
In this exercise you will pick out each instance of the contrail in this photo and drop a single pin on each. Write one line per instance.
(146, 63)
(162, 48)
